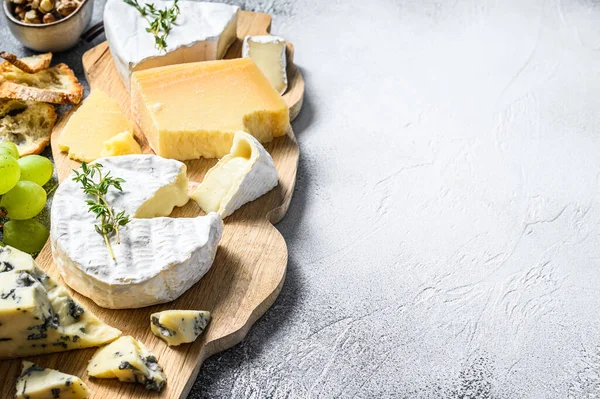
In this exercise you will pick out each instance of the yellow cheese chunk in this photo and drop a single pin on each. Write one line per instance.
(122, 144)
(97, 120)
(192, 110)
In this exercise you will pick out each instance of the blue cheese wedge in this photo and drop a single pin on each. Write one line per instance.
(38, 316)
(158, 258)
(202, 31)
(37, 382)
(178, 327)
(243, 175)
(128, 360)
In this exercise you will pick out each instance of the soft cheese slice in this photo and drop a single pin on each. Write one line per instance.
(158, 259)
(38, 316)
(178, 327)
(97, 120)
(242, 176)
(202, 31)
(37, 382)
(269, 54)
(122, 144)
(193, 110)
(130, 361)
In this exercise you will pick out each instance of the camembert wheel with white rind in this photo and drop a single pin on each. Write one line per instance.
(38, 316)
(158, 259)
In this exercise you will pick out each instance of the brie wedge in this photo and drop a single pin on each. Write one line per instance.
(37, 382)
(38, 316)
(202, 31)
(158, 258)
(130, 361)
(245, 174)
(269, 54)
(178, 327)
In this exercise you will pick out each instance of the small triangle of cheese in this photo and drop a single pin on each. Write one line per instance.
(97, 120)
(122, 144)
(243, 175)
(38, 316)
(178, 327)
(37, 382)
(129, 361)
(269, 54)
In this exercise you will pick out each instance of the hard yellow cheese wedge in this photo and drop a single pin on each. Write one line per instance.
(97, 120)
(122, 144)
(192, 110)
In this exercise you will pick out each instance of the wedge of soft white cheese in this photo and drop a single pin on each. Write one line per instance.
(243, 175)
(202, 31)
(158, 258)
(269, 53)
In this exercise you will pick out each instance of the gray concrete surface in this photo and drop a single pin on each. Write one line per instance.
(444, 234)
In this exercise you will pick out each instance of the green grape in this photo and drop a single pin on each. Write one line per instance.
(24, 201)
(9, 148)
(25, 235)
(36, 168)
(10, 172)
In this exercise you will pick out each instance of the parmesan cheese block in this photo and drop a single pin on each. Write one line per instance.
(193, 110)
(97, 120)
(242, 176)
(121, 144)
(38, 316)
(202, 31)
(37, 382)
(158, 258)
(269, 54)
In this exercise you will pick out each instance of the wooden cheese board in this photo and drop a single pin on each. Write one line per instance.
(248, 272)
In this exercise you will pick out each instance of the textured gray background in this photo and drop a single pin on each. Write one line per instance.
(444, 232)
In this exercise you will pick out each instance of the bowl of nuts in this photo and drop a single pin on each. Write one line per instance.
(48, 25)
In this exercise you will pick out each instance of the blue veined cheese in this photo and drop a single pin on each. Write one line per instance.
(129, 361)
(37, 382)
(158, 259)
(202, 32)
(269, 53)
(243, 175)
(178, 327)
(38, 316)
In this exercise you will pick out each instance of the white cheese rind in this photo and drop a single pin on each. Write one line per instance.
(38, 316)
(129, 361)
(37, 382)
(255, 178)
(273, 67)
(203, 31)
(178, 327)
(158, 259)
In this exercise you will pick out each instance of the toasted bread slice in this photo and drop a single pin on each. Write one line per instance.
(57, 85)
(32, 64)
(28, 124)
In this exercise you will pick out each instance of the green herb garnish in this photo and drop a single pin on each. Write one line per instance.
(161, 21)
(109, 221)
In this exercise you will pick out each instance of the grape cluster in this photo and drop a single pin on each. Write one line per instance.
(22, 197)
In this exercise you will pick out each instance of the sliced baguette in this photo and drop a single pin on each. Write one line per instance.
(28, 124)
(57, 85)
(32, 64)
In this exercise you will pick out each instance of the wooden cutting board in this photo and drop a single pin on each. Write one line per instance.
(248, 271)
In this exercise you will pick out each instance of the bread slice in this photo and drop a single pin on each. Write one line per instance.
(57, 85)
(32, 64)
(28, 124)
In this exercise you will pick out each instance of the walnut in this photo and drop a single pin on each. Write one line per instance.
(32, 17)
(34, 4)
(66, 7)
(20, 12)
(18, 1)
(48, 18)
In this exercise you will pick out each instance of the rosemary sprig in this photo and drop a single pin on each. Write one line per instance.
(160, 21)
(109, 221)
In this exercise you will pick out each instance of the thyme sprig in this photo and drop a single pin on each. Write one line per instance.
(160, 21)
(109, 221)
